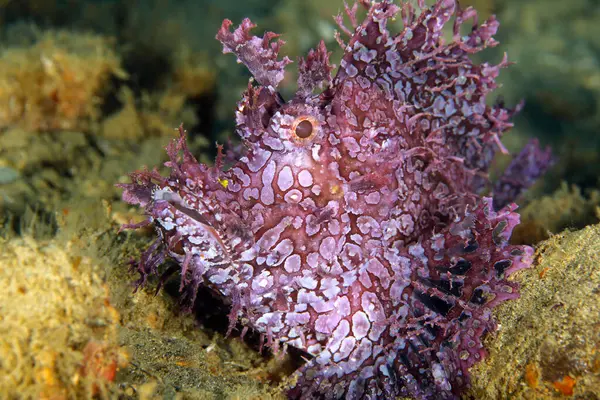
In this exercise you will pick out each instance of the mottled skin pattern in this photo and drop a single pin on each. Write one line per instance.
(352, 227)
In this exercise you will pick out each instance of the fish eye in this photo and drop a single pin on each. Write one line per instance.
(304, 127)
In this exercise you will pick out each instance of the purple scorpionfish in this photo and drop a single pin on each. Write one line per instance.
(351, 228)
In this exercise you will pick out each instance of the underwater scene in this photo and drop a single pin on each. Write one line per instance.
(317, 199)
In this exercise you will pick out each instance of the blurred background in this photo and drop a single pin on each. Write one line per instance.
(133, 70)
(109, 72)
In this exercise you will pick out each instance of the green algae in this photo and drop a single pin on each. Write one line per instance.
(8, 175)
(59, 171)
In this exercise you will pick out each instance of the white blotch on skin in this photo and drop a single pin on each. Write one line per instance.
(294, 196)
(360, 325)
(266, 193)
(305, 178)
(285, 180)
(327, 248)
(292, 263)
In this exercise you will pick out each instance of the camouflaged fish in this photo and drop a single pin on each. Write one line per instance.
(352, 227)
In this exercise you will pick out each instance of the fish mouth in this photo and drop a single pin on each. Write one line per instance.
(178, 203)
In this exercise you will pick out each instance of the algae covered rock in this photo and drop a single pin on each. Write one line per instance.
(567, 207)
(72, 328)
(57, 82)
(58, 329)
(548, 343)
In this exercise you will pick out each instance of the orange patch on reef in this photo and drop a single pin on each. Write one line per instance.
(532, 375)
(98, 361)
(543, 272)
(596, 364)
(565, 385)
(101, 362)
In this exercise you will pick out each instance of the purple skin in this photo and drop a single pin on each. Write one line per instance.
(522, 172)
(352, 228)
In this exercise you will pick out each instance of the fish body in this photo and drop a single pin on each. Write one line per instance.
(352, 228)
